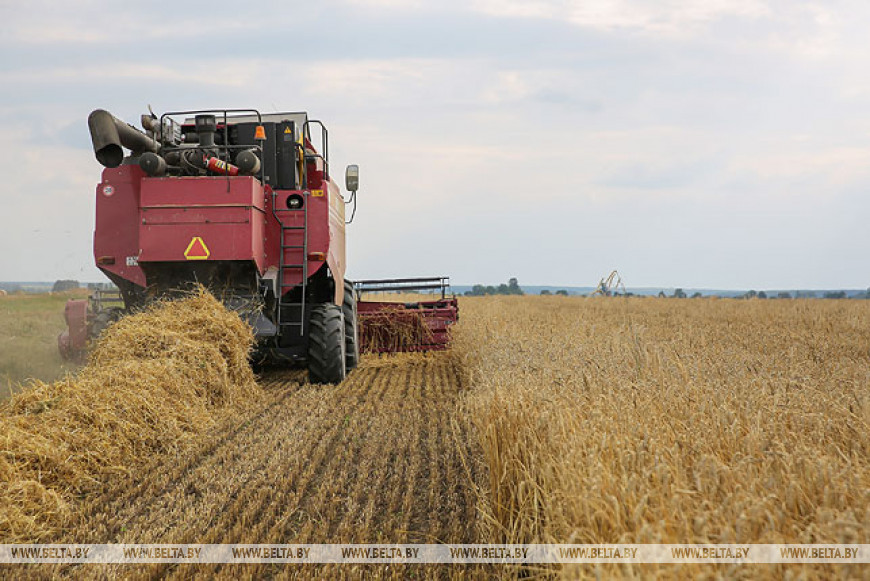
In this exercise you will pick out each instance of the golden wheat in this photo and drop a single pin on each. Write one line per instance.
(668, 421)
(596, 420)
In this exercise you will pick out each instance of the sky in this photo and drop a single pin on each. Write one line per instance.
(708, 144)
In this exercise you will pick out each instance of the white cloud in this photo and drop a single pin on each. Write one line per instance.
(646, 136)
(836, 167)
(183, 72)
(104, 23)
(675, 17)
(48, 195)
(389, 4)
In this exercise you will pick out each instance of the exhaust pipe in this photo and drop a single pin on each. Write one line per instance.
(109, 133)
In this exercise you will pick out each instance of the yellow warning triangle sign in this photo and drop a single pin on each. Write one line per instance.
(197, 250)
(288, 130)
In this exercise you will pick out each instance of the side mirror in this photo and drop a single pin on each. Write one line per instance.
(351, 178)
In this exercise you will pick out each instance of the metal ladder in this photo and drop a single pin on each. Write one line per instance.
(284, 267)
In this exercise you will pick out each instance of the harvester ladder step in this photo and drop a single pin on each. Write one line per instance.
(284, 268)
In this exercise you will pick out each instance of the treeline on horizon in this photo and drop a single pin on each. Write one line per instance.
(513, 288)
(680, 294)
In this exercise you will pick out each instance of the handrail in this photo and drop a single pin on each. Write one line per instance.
(436, 283)
(324, 138)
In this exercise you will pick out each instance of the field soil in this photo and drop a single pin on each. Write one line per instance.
(380, 458)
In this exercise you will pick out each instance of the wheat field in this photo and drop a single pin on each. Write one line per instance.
(671, 421)
(551, 420)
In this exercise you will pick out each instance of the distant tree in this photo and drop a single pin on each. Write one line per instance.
(783, 295)
(762, 295)
(64, 285)
(835, 295)
(679, 293)
(662, 295)
(805, 294)
(546, 292)
(479, 290)
(697, 295)
(750, 295)
(562, 292)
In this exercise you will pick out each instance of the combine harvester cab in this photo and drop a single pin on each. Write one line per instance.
(244, 204)
(390, 327)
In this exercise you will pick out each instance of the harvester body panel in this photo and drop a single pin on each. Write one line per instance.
(116, 230)
(184, 219)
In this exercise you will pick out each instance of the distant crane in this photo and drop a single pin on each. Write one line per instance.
(610, 286)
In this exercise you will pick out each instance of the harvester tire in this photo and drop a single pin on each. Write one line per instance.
(326, 346)
(351, 328)
(102, 321)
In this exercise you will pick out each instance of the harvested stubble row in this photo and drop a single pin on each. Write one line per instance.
(377, 459)
(667, 421)
(153, 381)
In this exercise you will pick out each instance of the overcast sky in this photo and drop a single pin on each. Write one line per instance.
(717, 143)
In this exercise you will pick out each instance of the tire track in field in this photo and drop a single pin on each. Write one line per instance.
(375, 459)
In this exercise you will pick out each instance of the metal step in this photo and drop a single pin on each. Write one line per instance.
(288, 251)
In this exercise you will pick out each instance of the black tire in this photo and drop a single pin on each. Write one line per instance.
(102, 320)
(326, 358)
(351, 328)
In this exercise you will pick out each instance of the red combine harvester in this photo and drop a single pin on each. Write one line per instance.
(243, 203)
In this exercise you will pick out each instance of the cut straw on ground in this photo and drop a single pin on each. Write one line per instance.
(153, 381)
